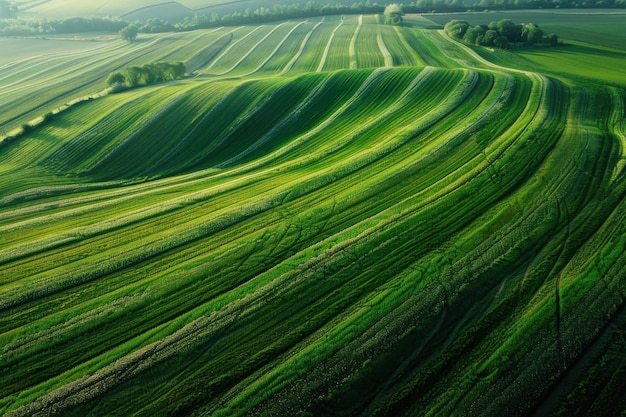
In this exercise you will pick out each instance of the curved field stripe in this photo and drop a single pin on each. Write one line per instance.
(302, 107)
(201, 58)
(464, 56)
(44, 59)
(387, 57)
(352, 49)
(320, 67)
(232, 45)
(73, 151)
(251, 50)
(77, 66)
(276, 49)
(254, 392)
(419, 41)
(367, 47)
(249, 100)
(186, 149)
(400, 53)
(339, 56)
(54, 90)
(522, 141)
(579, 149)
(45, 56)
(271, 245)
(179, 53)
(618, 128)
(298, 54)
(136, 130)
(34, 247)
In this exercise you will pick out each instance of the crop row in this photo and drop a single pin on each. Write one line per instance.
(43, 82)
(271, 245)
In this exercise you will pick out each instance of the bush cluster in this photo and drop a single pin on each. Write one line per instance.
(146, 74)
(500, 34)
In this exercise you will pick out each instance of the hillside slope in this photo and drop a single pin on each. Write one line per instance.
(330, 217)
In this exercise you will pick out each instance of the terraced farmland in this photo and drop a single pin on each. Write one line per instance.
(328, 217)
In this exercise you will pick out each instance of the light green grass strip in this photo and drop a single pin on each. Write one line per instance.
(302, 46)
(320, 67)
(388, 58)
(352, 49)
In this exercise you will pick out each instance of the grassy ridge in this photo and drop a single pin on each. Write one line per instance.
(303, 229)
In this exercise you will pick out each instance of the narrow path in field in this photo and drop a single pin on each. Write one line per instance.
(293, 60)
(388, 58)
(273, 53)
(320, 67)
(352, 49)
(251, 50)
(225, 51)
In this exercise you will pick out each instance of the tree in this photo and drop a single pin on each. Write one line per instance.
(509, 29)
(393, 14)
(531, 33)
(456, 28)
(490, 38)
(115, 79)
(178, 70)
(552, 39)
(501, 42)
(473, 35)
(499, 34)
(133, 76)
(129, 33)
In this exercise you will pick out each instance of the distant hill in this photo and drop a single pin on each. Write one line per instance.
(171, 11)
(142, 9)
(145, 9)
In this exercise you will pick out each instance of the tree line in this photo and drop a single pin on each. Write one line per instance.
(29, 27)
(500, 34)
(20, 27)
(135, 76)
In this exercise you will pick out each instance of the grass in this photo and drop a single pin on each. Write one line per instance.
(329, 217)
(62, 9)
(581, 60)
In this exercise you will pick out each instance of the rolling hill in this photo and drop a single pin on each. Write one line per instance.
(328, 217)
(172, 11)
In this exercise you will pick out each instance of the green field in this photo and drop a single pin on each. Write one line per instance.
(328, 217)
(603, 27)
